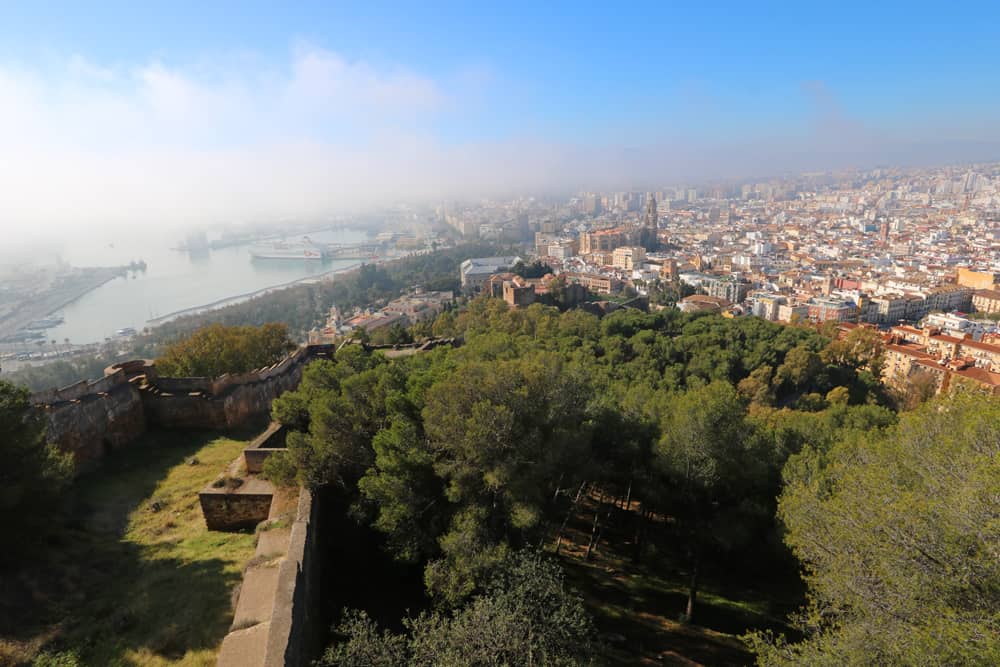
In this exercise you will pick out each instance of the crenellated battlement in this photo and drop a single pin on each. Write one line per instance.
(91, 418)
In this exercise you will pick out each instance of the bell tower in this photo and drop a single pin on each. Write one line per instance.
(648, 238)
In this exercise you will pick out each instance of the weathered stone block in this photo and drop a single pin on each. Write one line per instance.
(234, 510)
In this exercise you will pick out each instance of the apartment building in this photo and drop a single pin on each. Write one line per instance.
(986, 301)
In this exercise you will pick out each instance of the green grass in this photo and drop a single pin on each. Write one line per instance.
(132, 576)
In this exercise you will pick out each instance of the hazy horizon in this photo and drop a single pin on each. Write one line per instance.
(113, 119)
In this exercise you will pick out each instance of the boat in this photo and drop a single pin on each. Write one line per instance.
(283, 250)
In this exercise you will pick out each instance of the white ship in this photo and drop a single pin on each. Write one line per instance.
(282, 250)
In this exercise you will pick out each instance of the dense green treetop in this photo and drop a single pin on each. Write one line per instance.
(899, 534)
(217, 349)
(525, 616)
(461, 454)
(536, 269)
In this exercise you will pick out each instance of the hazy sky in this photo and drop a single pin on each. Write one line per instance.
(190, 112)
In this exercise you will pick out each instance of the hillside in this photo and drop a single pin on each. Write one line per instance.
(130, 574)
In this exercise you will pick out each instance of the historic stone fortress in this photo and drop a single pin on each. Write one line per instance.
(272, 623)
(274, 619)
(90, 419)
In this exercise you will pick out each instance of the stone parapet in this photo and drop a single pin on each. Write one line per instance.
(275, 623)
(89, 419)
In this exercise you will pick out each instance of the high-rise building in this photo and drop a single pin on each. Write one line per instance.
(592, 204)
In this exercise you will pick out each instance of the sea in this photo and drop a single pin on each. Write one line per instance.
(175, 280)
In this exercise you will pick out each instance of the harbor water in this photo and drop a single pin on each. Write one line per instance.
(175, 280)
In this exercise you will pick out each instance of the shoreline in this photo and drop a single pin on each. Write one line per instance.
(106, 275)
(97, 285)
(239, 298)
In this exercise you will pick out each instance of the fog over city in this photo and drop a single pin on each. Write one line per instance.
(232, 136)
(521, 333)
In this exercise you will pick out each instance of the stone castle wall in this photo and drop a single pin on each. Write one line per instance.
(91, 426)
(295, 637)
(89, 419)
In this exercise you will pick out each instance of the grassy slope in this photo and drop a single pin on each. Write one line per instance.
(134, 577)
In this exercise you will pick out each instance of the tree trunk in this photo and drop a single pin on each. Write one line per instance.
(595, 526)
(569, 513)
(692, 589)
(612, 506)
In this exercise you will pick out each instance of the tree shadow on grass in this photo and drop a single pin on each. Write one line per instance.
(88, 589)
(639, 608)
(102, 499)
(165, 607)
(649, 620)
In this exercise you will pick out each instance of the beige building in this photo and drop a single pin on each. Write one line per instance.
(602, 258)
(563, 249)
(982, 354)
(628, 257)
(793, 312)
(603, 240)
(905, 361)
(986, 301)
(595, 282)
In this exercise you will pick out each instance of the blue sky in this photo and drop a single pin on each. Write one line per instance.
(427, 99)
(591, 64)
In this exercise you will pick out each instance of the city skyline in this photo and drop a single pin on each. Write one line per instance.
(499, 334)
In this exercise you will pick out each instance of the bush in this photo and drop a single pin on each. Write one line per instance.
(279, 469)
(526, 615)
(61, 659)
(34, 472)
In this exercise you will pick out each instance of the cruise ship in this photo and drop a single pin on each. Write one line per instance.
(282, 250)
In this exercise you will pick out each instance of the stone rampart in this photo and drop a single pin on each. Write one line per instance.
(113, 377)
(91, 418)
(94, 424)
(275, 623)
(270, 441)
(293, 634)
(183, 385)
